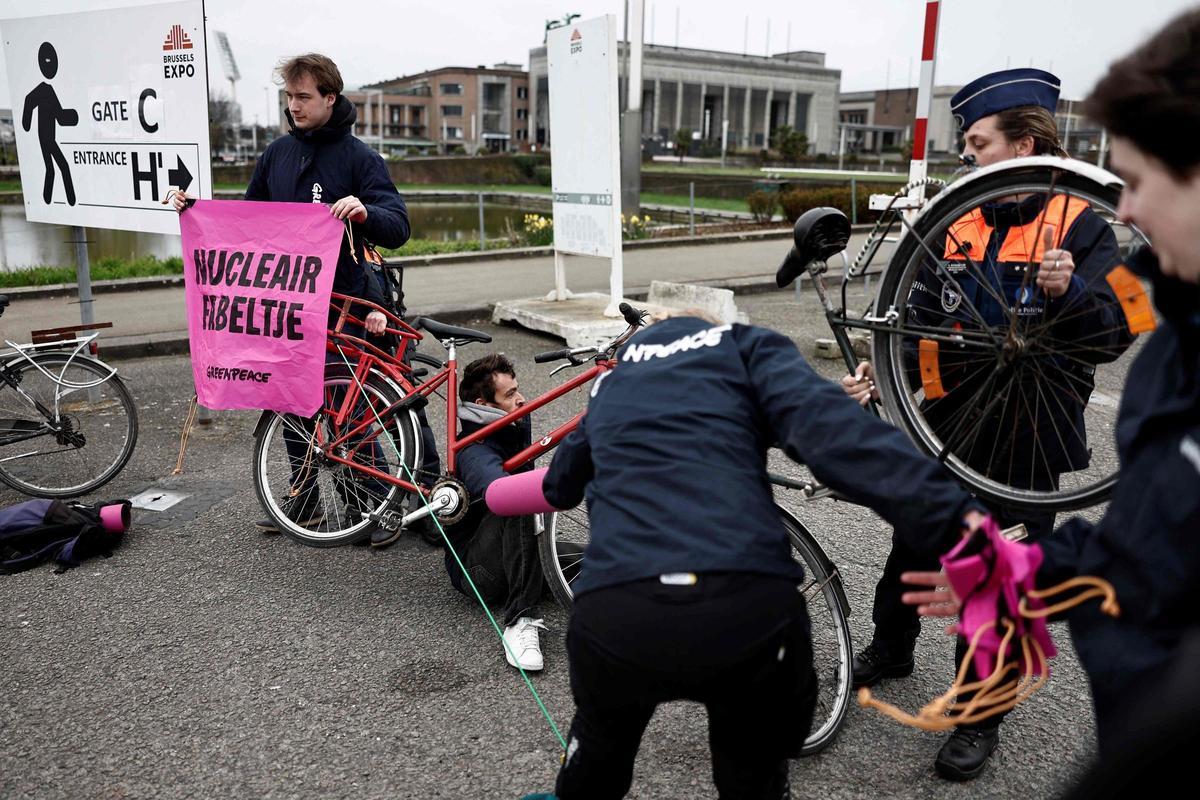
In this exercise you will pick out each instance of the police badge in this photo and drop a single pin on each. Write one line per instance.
(951, 299)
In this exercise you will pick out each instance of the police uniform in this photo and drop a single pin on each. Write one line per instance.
(688, 590)
(989, 253)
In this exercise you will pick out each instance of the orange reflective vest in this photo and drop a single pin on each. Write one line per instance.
(968, 237)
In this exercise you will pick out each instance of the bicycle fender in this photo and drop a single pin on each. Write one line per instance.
(263, 419)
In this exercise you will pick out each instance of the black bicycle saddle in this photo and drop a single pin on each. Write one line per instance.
(820, 233)
(443, 332)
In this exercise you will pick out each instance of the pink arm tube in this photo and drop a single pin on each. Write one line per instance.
(518, 495)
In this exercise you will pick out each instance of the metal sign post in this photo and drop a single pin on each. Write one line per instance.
(631, 120)
(83, 279)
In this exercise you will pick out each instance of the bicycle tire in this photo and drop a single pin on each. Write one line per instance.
(828, 609)
(350, 505)
(1029, 372)
(822, 588)
(105, 416)
(561, 569)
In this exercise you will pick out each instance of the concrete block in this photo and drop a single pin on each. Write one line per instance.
(677, 296)
(579, 320)
(826, 348)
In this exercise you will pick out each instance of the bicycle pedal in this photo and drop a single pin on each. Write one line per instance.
(390, 520)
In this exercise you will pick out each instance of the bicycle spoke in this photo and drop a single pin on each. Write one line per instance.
(937, 265)
(948, 444)
(1057, 433)
(980, 278)
(1038, 447)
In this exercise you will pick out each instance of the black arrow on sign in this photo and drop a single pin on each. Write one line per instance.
(179, 176)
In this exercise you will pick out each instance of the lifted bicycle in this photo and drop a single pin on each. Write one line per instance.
(1016, 394)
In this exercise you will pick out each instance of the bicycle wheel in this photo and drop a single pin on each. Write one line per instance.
(560, 549)
(832, 654)
(321, 502)
(59, 440)
(567, 533)
(1016, 394)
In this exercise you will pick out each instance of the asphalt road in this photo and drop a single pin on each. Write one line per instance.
(207, 660)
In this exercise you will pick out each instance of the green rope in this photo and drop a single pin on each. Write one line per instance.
(446, 539)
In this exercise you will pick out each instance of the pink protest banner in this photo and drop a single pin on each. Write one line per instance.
(258, 278)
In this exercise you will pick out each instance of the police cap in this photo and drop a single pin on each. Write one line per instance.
(999, 91)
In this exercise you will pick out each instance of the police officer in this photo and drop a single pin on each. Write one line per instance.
(1146, 543)
(1004, 115)
(688, 590)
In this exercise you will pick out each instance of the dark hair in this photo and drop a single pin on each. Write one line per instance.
(1152, 96)
(1033, 121)
(479, 377)
(324, 72)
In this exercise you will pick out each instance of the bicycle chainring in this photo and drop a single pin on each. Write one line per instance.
(460, 500)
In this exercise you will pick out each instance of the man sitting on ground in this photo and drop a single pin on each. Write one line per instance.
(498, 553)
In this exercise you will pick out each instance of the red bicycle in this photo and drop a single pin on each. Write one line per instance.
(335, 477)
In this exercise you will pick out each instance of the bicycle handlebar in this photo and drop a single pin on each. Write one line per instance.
(577, 356)
(552, 355)
(632, 315)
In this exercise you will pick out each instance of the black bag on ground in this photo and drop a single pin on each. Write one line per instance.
(37, 531)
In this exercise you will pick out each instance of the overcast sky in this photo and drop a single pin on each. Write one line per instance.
(873, 42)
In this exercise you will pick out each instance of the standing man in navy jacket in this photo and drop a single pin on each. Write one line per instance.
(321, 161)
(688, 588)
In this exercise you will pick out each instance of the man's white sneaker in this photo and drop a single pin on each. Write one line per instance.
(523, 643)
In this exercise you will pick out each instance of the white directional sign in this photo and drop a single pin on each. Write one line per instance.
(586, 165)
(110, 108)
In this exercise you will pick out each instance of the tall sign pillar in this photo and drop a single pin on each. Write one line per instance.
(586, 155)
(631, 119)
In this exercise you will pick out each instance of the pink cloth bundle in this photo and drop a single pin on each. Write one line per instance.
(115, 518)
(991, 576)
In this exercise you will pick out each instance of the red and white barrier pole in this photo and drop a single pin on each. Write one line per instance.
(920, 135)
(917, 167)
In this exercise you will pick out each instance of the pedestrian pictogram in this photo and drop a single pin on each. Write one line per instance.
(43, 101)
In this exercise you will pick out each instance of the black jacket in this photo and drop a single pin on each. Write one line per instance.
(323, 166)
(481, 463)
(672, 457)
(1148, 543)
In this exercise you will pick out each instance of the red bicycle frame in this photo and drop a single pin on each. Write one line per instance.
(367, 357)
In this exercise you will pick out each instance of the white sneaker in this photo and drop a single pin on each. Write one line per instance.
(523, 642)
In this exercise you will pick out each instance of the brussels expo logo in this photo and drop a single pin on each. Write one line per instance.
(576, 42)
(178, 58)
